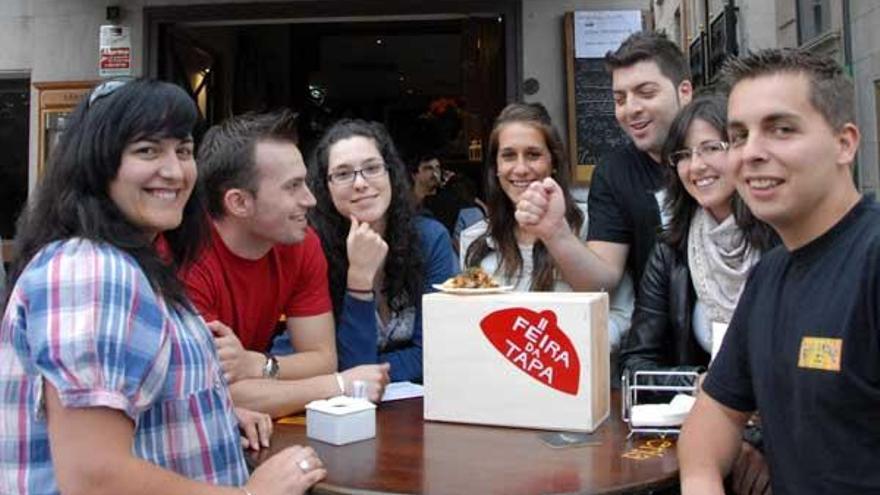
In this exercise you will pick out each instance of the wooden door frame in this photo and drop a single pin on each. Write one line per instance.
(342, 10)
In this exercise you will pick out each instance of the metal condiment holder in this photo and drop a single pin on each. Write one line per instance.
(630, 396)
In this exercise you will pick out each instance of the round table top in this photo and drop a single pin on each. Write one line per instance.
(410, 455)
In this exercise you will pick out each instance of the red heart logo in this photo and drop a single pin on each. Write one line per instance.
(533, 343)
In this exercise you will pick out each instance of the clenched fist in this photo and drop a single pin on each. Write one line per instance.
(541, 209)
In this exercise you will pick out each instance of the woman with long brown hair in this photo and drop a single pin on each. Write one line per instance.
(525, 151)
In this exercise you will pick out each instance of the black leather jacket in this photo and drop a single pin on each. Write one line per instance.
(662, 336)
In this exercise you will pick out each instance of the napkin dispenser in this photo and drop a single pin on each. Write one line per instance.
(341, 420)
(652, 418)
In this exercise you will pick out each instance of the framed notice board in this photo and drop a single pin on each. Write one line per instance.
(592, 127)
(56, 102)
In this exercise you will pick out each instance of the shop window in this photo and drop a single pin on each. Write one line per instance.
(14, 112)
(814, 19)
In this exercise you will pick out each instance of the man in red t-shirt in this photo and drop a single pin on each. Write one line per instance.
(265, 264)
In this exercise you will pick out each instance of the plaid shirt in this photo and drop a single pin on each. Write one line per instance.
(84, 317)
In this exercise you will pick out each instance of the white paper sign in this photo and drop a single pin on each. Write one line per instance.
(402, 390)
(718, 331)
(597, 32)
(114, 51)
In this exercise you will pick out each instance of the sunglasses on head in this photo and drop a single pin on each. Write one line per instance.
(106, 88)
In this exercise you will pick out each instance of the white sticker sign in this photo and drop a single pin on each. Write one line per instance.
(114, 51)
(597, 32)
(718, 331)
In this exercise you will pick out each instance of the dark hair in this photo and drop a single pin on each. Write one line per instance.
(502, 224)
(464, 189)
(711, 109)
(831, 91)
(416, 158)
(656, 47)
(72, 198)
(403, 263)
(226, 155)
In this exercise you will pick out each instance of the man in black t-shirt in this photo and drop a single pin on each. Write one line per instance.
(804, 343)
(625, 205)
(650, 82)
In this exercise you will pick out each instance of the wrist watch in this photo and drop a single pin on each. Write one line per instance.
(753, 435)
(271, 368)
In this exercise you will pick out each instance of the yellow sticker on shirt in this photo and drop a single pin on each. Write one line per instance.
(820, 353)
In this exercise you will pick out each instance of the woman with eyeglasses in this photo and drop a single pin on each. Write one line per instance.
(109, 380)
(525, 150)
(382, 256)
(698, 268)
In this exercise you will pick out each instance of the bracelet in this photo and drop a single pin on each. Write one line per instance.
(340, 382)
(359, 291)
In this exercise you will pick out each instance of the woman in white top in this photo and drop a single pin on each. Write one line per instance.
(524, 147)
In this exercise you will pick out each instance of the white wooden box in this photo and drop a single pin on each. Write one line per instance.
(525, 359)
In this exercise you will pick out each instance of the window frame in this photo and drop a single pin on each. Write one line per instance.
(800, 21)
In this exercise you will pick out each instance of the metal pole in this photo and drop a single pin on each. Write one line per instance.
(847, 39)
(732, 47)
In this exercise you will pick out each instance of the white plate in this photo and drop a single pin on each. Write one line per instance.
(463, 291)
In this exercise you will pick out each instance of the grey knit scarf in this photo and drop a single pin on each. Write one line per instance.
(719, 259)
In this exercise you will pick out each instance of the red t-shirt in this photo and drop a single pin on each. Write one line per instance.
(251, 295)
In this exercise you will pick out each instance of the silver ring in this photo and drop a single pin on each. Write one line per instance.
(304, 465)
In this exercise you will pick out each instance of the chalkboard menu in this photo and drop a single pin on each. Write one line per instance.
(592, 127)
(597, 131)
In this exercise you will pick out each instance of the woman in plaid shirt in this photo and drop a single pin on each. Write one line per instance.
(109, 381)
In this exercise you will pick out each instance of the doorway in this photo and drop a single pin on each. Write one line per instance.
(14, 114)
(435, 73)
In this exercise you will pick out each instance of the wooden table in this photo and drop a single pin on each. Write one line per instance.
(410, 455)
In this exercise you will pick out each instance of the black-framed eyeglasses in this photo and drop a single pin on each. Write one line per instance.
(107, 88)
(368, 172)
(707, 149)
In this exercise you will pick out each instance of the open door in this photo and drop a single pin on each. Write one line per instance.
(484, 81)
(192, 66)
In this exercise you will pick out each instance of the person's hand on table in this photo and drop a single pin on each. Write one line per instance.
(291, 471)
(750, 474)
(256, 428)
(237, 362)
(374, 376)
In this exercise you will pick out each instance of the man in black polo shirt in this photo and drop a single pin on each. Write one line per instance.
(804, 343)
(650, 82)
